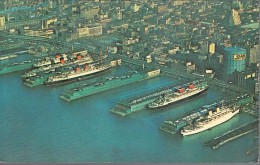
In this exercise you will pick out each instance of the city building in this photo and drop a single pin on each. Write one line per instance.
(234, 60)
(90, 12)
(234, 18)
(89, 31)
(2, 22)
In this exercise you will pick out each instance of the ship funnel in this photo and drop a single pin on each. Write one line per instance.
(78, 57)
(58, 56)
(191, 86)
(218, 109)
(62, 60)
(181, 90)
(77, 69)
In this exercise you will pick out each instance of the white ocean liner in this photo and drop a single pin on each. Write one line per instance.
(77, 73)
(213, 119)
(182, 93)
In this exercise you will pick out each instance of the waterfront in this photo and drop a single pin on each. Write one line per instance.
(37, 126)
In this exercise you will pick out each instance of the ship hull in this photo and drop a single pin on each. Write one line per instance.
(160, 107)
(211, 125)
(75, 78)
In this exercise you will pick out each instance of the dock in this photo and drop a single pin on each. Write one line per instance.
(129, 106)
(107, 83)
(124, 108)
(8, 68)
(233, 134)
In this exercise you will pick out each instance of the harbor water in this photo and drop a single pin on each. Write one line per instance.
(37, 126)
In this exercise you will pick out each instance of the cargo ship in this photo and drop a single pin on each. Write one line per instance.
(212, 119)
(77, 73)
(106, 84)
(180, 93)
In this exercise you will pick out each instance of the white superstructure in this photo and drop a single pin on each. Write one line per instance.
(177, 96)
(213, 119)
(77, 73)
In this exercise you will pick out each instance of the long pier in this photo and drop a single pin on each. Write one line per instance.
(125, 107)
(107, 83)
(233, 134)
(8, 68)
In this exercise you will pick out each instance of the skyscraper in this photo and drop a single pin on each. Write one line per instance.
(2, 22)
(234, 60)
(234, 18)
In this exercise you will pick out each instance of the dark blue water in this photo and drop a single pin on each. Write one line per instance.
(37, 126)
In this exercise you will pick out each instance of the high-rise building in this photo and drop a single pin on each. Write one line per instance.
(234, 60)
(212, 48)
(234, 18)
(2, 22)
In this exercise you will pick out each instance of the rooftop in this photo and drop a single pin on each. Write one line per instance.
(252, 25)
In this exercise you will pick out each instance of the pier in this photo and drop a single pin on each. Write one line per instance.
(128, 106)
(8, 68)
(233, 134)
(125, 107)
(107, 84)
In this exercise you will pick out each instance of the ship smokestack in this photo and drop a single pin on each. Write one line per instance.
(218, 110)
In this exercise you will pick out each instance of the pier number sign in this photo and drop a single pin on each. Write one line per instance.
(239, 56)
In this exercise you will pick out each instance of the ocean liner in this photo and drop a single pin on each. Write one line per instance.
(212, 119)
(77, 73)
(180, 93)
